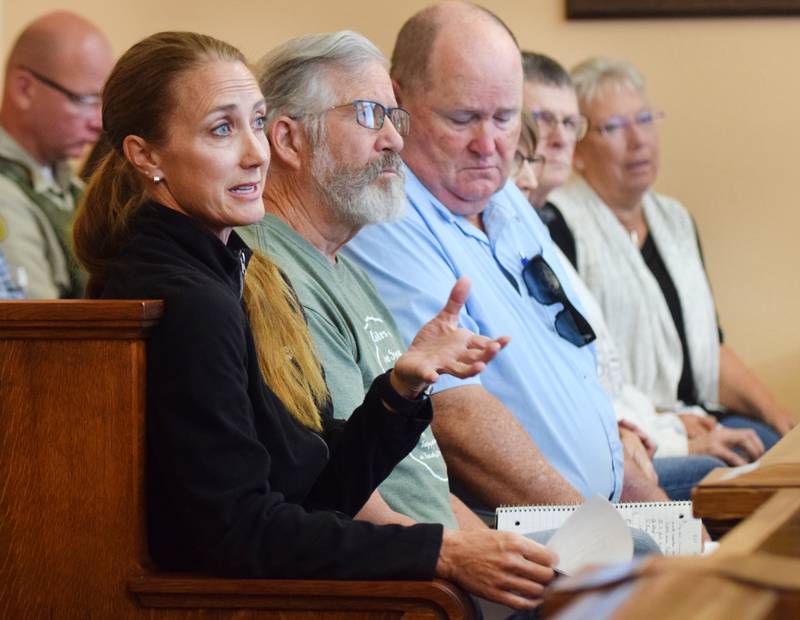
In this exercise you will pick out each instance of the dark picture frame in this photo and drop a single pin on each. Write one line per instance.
(613, 9)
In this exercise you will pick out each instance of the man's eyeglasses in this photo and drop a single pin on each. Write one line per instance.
(371, 114)
(79, 99)
(535, 161)
(617, 125)
(543, 285)
(574, 125)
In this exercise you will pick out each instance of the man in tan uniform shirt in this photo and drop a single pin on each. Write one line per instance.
(50, 112)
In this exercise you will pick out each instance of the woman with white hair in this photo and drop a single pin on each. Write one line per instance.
(639, 253)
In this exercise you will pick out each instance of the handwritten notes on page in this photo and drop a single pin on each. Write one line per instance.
(671, 524)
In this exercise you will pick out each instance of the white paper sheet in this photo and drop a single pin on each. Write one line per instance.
(733, 472)
(595, 534)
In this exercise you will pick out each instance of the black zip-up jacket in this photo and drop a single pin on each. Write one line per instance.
(236, 486)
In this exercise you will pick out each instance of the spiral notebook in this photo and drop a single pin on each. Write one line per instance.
(671, 524)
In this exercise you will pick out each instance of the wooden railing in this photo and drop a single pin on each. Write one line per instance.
(722, 501)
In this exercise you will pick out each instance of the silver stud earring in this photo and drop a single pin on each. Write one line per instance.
(156, 179)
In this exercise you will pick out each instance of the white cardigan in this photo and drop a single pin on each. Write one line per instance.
(631, 300)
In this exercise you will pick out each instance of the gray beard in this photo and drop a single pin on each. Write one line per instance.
(356, 195)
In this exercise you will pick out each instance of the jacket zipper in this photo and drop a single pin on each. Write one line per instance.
(242, 270)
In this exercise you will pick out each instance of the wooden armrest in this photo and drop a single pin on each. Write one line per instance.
(293, 598)
(773, 528)
(675, 597)
(722, 501)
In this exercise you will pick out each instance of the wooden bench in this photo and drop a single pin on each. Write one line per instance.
(72, 515)
(722, 501)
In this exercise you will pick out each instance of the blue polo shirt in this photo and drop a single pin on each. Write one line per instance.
(549, 384)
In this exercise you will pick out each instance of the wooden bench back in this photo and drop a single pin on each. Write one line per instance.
(72, 391)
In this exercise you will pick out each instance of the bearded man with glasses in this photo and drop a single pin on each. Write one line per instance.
(336, 132)
(50, 113)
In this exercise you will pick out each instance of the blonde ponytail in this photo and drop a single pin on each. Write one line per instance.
(286, 354)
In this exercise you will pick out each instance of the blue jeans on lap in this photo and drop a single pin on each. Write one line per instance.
(677, 475)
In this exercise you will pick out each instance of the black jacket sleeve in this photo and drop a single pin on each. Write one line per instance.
(365, 448)
(227, 490)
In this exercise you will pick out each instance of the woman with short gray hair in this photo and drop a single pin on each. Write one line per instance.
(639, 253)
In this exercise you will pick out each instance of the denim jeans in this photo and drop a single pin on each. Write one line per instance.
(677, 475)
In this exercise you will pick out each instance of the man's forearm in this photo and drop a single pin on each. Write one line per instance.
(491, 455)
(467, 520)
(377, 511)
(742, 391)
(636, 486)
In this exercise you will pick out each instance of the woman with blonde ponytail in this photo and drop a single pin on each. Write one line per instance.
(248, 474)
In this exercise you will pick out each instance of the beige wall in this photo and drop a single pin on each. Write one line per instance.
(729, 87)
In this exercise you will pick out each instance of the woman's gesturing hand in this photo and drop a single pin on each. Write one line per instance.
(500, 566)
(441, 347)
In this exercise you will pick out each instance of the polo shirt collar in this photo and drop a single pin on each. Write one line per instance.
(495, 216)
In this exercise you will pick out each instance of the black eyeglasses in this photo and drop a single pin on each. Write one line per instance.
(371, 114)
(617, 125)
(83, 100)
(573, 124)
(543, 285)
(534, 161)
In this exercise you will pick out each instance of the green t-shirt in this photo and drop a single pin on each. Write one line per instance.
(357, 340)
